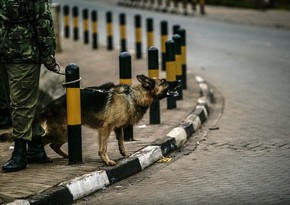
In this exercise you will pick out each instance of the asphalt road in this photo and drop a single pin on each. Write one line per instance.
(246, 161)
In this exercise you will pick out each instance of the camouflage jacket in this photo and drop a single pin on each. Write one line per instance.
(26, 32)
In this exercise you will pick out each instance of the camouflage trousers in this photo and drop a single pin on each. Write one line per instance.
(22, 84)
(3, 100)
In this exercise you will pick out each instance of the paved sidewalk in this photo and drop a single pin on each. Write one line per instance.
(96, 67)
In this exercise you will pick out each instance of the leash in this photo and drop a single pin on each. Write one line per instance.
(58, 71)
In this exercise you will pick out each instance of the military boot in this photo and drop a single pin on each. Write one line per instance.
(36, 153)
(18, 160)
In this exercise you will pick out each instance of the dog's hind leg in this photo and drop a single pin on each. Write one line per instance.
(104, 134)
(120, 137)
(57, 149)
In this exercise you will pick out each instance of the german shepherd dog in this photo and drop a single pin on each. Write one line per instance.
(107, 107)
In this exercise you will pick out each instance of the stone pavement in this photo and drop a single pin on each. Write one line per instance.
(39, 183)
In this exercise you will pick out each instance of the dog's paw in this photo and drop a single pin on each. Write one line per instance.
(123, 152)
(111, 163)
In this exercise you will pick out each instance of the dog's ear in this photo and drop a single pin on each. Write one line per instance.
(146, 81)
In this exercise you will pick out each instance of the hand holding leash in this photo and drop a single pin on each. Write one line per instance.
(54, 68)
(51, 67)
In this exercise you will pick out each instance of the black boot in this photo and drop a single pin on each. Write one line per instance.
(36, 153)
(18, 160)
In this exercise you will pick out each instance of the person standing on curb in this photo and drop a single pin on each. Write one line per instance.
(26, 41)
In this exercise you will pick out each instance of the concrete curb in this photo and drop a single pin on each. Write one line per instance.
(69, 191)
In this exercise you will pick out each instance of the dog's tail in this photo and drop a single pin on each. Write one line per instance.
(6, 137)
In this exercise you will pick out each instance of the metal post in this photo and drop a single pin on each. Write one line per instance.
(167, 6)
(159, 5)
(193, 6)
(202, 9)
(95, 29)
(182, 34)
(164, 38)
(152, 4)
(138, 36)
(175, 28)
(175, 6)
(184, 7)
(178, 59)
(76, 23)
(86, 25)
(123, 33)
(73, 114)
(150, 32)
(170, 70)
(125, 71)
(109, 20)
(66, 21)
(153, 72)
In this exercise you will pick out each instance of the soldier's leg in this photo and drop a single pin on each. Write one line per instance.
(5, 116)
(23, 83)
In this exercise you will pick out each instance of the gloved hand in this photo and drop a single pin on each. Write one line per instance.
(52, 67)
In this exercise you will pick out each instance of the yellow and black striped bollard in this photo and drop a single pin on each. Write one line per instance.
(138, 36)
(150, 32)
(202, 7)
(109, 20)
(73, 102)
(66, 21)
(153, 72)
(193, 6)
(145, 2)
(182, 34)
(123, 33)
(159, 5)
(125, 72)
(86, 25)
(152, 4)
(184, 7)
(94, 17)
(178, 60)
(76, 23)
(175, 28)
(164, 38)
(175, 6)
(170, 70)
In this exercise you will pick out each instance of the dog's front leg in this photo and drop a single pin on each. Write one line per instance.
(120, 137)
(104, 133)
